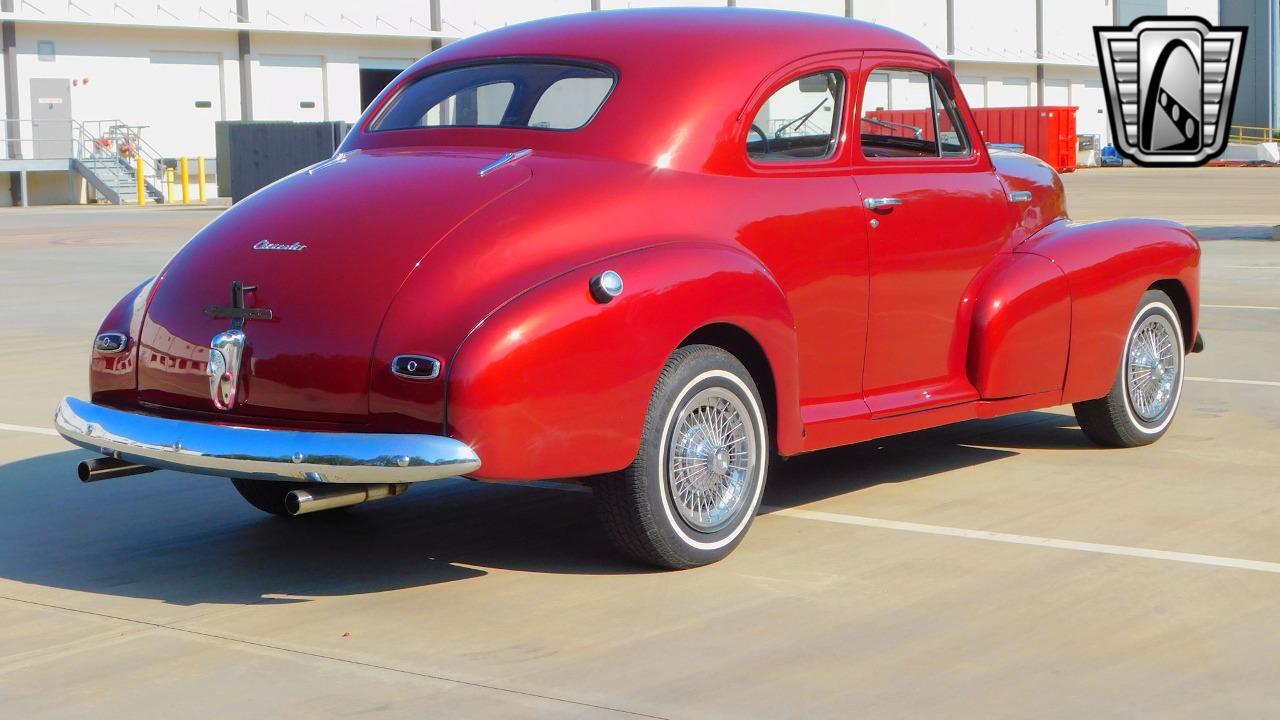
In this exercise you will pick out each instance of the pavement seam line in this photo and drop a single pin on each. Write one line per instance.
(29, 429)
(321, 656)
(1231, 381)
(1011, 538)
(1241, 307)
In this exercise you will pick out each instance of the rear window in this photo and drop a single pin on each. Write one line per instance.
(544, 96)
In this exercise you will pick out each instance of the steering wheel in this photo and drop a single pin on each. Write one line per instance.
(756, 129)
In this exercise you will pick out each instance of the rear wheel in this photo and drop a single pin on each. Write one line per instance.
(694, 487)
(1142, 402)
(267, 495)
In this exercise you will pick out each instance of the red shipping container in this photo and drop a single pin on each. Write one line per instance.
(1046, 131)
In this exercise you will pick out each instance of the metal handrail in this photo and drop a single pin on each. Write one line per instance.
(86, 143)
(1253, 134)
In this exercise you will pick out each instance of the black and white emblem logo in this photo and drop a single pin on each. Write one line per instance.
(1170, 84)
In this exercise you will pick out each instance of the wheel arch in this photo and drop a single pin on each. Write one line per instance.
(742, 345)
(1177, 292)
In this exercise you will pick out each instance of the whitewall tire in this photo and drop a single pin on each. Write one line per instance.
(1148, 385)
(695, 485)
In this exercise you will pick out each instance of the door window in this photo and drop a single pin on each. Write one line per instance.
(908, 113)
(799, 122)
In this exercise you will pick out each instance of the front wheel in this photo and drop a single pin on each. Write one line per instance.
(1145, 395)
(695, 485)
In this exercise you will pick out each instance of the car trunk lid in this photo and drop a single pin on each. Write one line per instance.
(325, 251)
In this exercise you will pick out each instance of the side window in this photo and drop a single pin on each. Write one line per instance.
(799, 122)
(897, 115)
(907, 113)
(480, 105)
(570, 102)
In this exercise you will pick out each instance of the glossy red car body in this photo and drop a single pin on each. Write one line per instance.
(959, 304)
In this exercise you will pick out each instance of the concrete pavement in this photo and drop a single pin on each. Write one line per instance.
(994, 569)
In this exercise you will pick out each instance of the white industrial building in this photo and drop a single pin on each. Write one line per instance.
(176, 66)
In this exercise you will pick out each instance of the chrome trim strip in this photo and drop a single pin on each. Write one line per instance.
(505, 160)
(259, 453)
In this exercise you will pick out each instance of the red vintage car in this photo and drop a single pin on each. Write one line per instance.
(649, 250)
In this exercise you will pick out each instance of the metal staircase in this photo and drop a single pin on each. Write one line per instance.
(104, 152)
(112, 175)
(115, 179)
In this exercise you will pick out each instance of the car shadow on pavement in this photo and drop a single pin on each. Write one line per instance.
(820, 475)
(185, 539)
(1232, 232)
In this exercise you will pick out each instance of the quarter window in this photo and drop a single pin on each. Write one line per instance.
(908, 113)
(799, 122)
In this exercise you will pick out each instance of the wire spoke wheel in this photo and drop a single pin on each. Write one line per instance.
(695, 484)
(1154, 363)
(1148, 382)
(711, 458)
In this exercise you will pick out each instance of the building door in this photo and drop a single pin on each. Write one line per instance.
(51, 128)
(974, 90)
(1010, 92)
(1091, 118)
(191, 103)
(289, 87)
(376, 74)
(1057, 93)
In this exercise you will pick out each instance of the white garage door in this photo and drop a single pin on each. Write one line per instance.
(1009, 92)
(1057, 92)
(289, 87)
(1091, 118)
(181, 114)
(975, 91)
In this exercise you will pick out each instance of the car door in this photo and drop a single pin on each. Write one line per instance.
(808, 230)
(936, 214)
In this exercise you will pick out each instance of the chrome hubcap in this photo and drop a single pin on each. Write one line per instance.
(1153, 367)
(711, 458)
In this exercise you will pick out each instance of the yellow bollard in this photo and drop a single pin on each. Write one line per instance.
(168, 185)
(200, 178)
(186, 181)
(142, 181)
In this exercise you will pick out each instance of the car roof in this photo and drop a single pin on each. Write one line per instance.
(682, 72)
(689, 32)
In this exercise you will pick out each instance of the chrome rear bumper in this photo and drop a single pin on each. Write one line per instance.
(262, 454)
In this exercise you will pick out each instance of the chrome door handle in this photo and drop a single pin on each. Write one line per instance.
(1020, 196)
(884, 203)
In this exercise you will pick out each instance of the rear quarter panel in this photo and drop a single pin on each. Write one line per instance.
(554, 384)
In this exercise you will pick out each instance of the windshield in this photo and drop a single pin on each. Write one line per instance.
(540, 95)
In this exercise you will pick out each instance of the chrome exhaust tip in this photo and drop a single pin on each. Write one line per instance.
(330, 497)
(107, 468)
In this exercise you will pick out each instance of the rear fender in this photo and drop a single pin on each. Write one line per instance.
(555, 384)
(116, 374)
(1108, 266)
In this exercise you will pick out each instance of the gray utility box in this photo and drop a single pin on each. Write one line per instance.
(252, 155)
